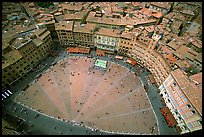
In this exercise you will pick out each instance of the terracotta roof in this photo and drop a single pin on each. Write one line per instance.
(199, 57)
(123, 21)
(64, 25)
(58, 13)
(181, 52)
(139, 22)
(75, 16)
(136, 4)
(117, 9)
(164, 5)
(127, 35)
(180, 64)
(150, 28)
(146, 11)
(189, 12)
(167, 54)
(197, 43)
(174, 15)
(176, 24)
(77, 7)
(108, 32)
(173, 44)
(191, 56)
(84, 28)
(193, 93)
(78, 50)
(197, 78)
(131, 61)
(157, 14)
(100, 52)
(187, 63)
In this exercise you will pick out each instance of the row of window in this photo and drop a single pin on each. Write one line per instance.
(105, 47)
(157, 8)
(127, 43)
(65, 34)
(106, 39)
(105, 42)
(20, 65)
(195, 124)
(83, 34)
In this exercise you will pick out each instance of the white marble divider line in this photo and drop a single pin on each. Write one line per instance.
(56, 105)
(107, 105)
(93, 92)
(123, 114)
(111, 87)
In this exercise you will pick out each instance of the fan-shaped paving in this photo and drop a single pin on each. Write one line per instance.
(111, 100)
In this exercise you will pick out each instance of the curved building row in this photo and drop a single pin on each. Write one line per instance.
(149, 33)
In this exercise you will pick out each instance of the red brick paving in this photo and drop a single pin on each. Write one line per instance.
(113, 100)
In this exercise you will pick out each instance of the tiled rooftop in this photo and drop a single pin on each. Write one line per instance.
(75, 6)
(75, 16)
(181, 52)
(84, 28)
(157, 14)
(127, 35)
(165, 5)
(64, 25)
(193, 93)
(197, 78)
(173, 45)
(174, 15)
(19, 42)
(146, 11)
(199, 57)
(108, 32)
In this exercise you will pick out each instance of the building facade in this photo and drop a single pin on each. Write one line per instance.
(64, 31)
(183, 99)
(107, 39)
(22, 53)
(84, 34)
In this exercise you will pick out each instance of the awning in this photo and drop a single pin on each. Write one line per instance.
(168, 116)
(78, 50)
(100, 52)
(131, 61)
(119, 57)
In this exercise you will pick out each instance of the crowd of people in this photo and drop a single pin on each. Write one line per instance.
(115, 76)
